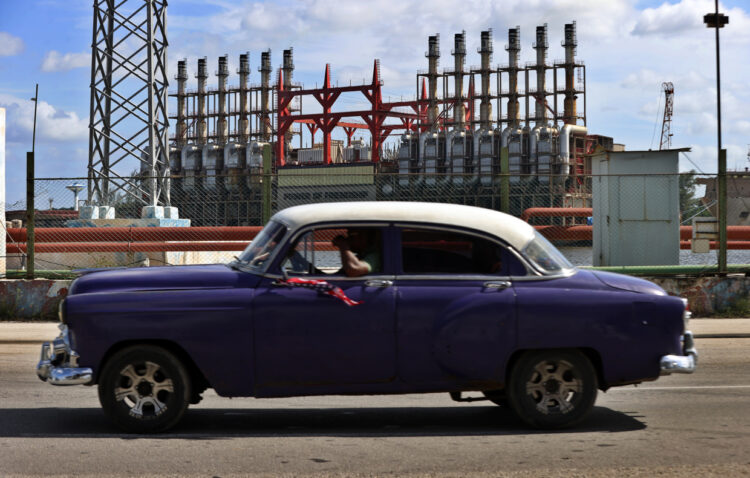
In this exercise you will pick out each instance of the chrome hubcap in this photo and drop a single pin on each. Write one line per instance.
(554, 386)
(144, 389)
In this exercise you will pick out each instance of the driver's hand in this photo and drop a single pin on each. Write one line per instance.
(340, 242)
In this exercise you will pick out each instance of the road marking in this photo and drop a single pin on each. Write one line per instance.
(695, 387)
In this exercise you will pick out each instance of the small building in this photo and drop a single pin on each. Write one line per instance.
(636, 207)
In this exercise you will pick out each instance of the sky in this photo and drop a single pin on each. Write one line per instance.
(630, 47)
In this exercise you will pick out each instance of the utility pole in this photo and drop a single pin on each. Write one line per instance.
(30, 195)
(717, 20)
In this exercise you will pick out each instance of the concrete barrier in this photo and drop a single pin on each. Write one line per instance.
(710, 295)
(31, 299)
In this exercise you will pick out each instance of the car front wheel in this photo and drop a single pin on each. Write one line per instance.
(144, 389)
(552, 389)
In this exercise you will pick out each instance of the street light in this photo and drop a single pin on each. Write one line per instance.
(717, 20)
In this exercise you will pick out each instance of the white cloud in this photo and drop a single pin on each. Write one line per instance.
(640, 78)
(55, 61)
(10, 45)
(53, 124)
(670, 19)
(628, 51)
(686, 18)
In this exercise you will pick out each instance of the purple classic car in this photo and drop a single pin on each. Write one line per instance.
(369, 298)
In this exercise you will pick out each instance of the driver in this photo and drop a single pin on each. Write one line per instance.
(359, 251)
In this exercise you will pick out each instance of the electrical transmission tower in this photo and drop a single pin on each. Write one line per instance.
(666, 124)
(129, 122)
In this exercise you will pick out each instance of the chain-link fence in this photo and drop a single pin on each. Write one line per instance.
(644, 219)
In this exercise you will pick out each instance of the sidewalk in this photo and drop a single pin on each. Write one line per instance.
(37, 332)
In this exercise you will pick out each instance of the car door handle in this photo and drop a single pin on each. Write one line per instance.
(497, 284)
(378, 283)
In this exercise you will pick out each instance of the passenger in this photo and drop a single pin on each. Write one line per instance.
(359, 250)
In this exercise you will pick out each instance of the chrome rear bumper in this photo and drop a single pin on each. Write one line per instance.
(58, 363)
(686, 363)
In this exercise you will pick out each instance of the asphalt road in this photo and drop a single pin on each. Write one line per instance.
(686, 424)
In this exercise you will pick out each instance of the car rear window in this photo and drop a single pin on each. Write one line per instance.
(425, 251)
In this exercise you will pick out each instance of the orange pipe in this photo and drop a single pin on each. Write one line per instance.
(556, 212)
(84, 247)
(151, 239)
(742, 245)
(566, 233)
(584, 233)
(135, 234)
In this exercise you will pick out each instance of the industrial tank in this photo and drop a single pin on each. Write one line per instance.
(485, 156)
(175, 159)
(234, 162)
(408, 161)
(213, 164)
(357, 151)
(460, 154)
(192, 162)
(546, 152)
(432, 156)
(514, 138)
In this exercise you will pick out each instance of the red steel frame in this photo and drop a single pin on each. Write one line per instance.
(374, 118)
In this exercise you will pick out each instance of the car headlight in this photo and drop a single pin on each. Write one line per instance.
(686, 314)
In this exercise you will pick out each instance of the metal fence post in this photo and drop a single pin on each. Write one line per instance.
(3, 235)
(722, 193)
(30, 215)
(504, 181)
(266, 188)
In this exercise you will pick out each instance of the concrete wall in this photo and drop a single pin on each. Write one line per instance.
(709, 295)
(22, 299)
(31, 299)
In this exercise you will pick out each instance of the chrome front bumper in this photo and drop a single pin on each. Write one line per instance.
(58, 363)
(686, 363)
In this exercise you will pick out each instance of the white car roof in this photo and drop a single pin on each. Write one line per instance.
(512, 230)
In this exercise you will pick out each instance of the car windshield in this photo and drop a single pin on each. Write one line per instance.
(545, 256)
(256, 255)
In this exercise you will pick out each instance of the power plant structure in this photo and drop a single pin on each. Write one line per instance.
(530, 154)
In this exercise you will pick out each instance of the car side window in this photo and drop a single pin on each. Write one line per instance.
(425, 251)
(344, 251)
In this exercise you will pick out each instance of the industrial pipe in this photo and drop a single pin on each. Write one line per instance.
(87, 247)
(565, 133)
(136, 234)
(574, 233)
(556, 212)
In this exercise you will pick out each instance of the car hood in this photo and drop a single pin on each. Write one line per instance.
(629, 283)
(217, 276)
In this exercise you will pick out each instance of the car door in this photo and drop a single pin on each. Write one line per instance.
(456, 318)
(307, 338)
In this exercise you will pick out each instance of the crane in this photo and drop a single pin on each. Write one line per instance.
(666, 124)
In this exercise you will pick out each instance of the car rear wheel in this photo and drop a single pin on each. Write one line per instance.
(552, 389)
(144, 389)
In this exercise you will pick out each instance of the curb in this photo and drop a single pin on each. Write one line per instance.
(721, 336)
